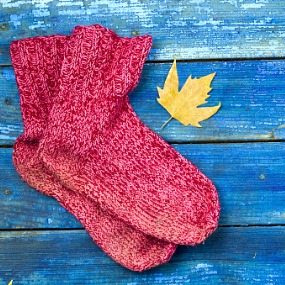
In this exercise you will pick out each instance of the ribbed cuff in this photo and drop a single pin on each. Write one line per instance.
(141, 46)
(37, 63)
(97, 57)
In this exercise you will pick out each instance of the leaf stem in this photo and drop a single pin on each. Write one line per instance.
(166, 122)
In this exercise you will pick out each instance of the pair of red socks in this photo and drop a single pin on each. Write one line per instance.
(84, 145)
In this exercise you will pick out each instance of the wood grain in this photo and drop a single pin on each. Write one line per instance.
(204, 29)
(251, 92)
(244, 255)
(249, 178)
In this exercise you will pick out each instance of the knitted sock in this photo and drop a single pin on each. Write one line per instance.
(37, 63)
(97, 145)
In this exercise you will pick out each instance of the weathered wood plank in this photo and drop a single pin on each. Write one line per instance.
(10, 113)
(249, 178)
(188, 29)
(251, 92)
(253, 255)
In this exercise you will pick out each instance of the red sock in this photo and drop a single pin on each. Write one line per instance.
(37, 63)
(97, 145)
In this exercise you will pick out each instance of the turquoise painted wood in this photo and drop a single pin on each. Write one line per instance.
(245, 255)
(241, 148)
(250, 180)
(251, 92)
(189, 29)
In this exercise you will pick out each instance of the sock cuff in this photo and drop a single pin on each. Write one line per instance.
(128, 53)
(98, 71)
(140, 48)
(98, 56)
(36, 63)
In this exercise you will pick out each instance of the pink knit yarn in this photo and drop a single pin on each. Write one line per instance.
(96, 145)
(37, 63)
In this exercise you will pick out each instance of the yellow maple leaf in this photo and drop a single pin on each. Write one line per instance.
(182, 105)
(11, 282)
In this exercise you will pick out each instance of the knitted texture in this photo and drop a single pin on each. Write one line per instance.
(37, 63)
(97, 145)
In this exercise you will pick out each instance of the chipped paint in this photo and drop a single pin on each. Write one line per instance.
(252, 6)
(262, 176)
(232, 2)
(208, 22)
(41, 13)
(6, 131)
(11, 3)
(18, 4)
(38, 25)
(7, 74)
(71, 12)
(276, 213)
(258, 36)
(203, 266)
(69, 3)
(206, 268)
(15, 20)
(49, 221)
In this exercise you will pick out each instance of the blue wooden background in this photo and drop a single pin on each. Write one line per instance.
(241, 148)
